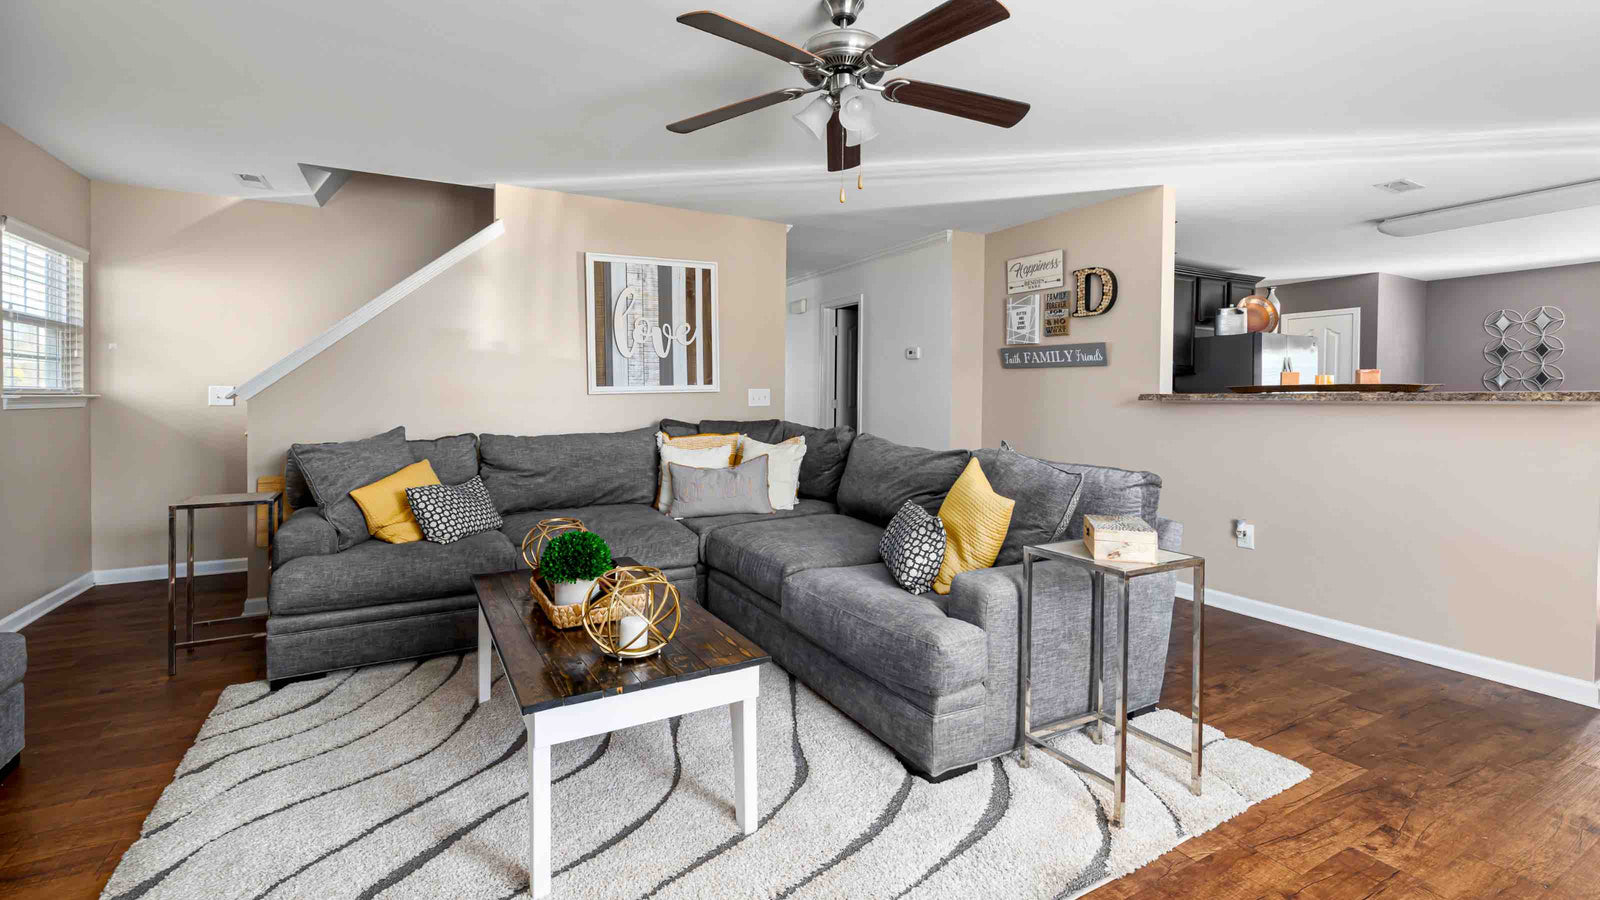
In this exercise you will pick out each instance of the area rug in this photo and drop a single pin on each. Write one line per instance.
(390, 781)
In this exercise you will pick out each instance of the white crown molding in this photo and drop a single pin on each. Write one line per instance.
(369, 311)
(31, 613)
(158, 572)
(938, 237)
(1564, 687)
(1298, 152)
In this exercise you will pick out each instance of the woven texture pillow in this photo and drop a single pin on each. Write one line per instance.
(976, 520)
(913, 547)
(720, 491)
(448, 513)
(333, 470)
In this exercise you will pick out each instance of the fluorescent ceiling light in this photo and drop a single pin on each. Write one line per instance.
(1517, 206)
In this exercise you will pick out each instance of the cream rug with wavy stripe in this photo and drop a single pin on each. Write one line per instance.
(390, 781)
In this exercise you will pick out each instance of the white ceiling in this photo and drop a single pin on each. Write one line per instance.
(1273, 119)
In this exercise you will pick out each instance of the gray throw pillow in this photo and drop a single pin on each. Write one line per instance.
(679, 428)
(454, 459)
(333, 470)
(827, 451)
(912, 548)
(1109, 491)
(1046, 499)
(882, 475)
(720, 492)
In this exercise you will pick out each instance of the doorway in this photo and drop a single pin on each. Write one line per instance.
(842, 341)
(1338, 336)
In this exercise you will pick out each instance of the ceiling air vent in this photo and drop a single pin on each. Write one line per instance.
(259, 182)
(1398, 186)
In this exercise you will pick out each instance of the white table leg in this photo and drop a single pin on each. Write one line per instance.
(538, 812)
(746, 810)
(485, 651)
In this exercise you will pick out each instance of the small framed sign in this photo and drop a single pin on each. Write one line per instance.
(1022, 319)
(1058, 314)
(1039, 272)
(1054, 356)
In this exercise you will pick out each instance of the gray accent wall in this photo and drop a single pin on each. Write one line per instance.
(1339, 293)
(1457, 307)
(1402, 328)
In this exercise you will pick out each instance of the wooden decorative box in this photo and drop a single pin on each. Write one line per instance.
(1120, 539)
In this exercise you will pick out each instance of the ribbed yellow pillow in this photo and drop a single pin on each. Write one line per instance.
(383, 503)
(976, 520)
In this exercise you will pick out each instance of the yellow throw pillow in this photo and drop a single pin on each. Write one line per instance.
(385, 507)
(976, 520)
(699, 441)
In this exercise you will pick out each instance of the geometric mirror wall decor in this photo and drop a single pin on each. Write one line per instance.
(1523, 349)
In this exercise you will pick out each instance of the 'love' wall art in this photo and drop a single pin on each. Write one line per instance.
(652, 325)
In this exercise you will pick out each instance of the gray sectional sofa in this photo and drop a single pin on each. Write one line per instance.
(933, 676)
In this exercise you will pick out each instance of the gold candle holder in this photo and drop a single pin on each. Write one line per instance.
(632, 591)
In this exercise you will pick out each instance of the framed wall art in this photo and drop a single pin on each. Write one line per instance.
(653, 325)
(1022, 319)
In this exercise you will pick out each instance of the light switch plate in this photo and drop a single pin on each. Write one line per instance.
(217, 395)
(760, 397)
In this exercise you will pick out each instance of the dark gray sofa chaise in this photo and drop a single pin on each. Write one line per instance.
(933, 676)
(13, 666)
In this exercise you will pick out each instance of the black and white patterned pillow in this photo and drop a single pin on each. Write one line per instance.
(913, 547)
(448, 513)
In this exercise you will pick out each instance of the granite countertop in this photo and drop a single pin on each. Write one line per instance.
(1384, 397)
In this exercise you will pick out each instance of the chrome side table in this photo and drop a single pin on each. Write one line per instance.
(273, 501)
(1028, 734)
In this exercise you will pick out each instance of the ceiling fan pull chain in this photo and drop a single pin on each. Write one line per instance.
(841, 187)
(858, 181)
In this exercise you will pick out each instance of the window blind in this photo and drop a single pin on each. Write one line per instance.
(41, 311)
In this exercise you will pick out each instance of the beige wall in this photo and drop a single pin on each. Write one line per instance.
(496, 344)
(1398, 517)
(967, 350)
(44, 453)
(196, 290)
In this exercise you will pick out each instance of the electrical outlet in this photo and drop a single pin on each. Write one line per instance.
(760, 397)
(217, 395)
(1245, 533)
(913, 353)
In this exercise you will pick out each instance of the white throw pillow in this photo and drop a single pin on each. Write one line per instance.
(707, 458)
(783, 467)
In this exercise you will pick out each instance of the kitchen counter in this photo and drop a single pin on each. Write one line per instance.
(1384, 397)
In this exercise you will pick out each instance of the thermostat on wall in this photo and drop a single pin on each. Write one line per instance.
(913, 353)
(798, 307)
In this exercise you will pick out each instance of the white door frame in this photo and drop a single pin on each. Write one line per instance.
(1355, 341)
(825, 360)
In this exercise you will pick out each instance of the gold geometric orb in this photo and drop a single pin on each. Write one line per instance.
(628, 591)
(539, 537)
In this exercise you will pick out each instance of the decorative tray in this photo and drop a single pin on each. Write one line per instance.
(565, 616)
(1331, 388)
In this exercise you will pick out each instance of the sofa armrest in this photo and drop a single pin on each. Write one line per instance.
(306, 533)
(1169, 534)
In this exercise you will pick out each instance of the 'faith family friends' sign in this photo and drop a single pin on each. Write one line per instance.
(1054, 356)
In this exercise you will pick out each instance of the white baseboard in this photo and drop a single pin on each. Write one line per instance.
(159, 572)
(1565, 687)
(28, 614)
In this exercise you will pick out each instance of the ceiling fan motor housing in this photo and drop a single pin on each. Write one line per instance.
(841, 49)
(844, 12)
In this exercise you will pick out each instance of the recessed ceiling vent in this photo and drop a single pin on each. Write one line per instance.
(259, 182)
(1398, 186)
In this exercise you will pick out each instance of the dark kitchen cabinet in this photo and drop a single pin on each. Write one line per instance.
(1197, 294)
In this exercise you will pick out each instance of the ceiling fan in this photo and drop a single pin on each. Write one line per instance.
(846, 65)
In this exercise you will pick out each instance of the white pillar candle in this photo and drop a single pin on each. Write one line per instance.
(632, 633)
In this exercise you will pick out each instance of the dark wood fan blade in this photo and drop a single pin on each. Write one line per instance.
(733, 110)
(740, 33)
(840, 157)
(949, 21)
(956, 102)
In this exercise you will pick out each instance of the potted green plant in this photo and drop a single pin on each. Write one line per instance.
(571, 563)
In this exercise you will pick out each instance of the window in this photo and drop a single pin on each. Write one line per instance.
(41, 311)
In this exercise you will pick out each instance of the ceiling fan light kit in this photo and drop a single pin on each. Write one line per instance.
(845, 64)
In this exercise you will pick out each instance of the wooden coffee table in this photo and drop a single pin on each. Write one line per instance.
(567, 689)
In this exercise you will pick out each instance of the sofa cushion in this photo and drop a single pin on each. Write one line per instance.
(335, 469)
(882, 475)
(454, 459)
(862, 616)
(762, 554)
(1112, 492)
(305, 533)
(1046, 496)
(13, 658)
(827, 451)
(766, 430)
(375, 572)
(635, 530)
(551, 471)
(679, 428)
(704, 525)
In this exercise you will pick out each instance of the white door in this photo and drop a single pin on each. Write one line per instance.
(1338, 334)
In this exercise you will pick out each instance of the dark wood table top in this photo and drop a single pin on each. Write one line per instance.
(213, 501)
(550, 667)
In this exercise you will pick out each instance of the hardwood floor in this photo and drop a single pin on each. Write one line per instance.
(1426, 784)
